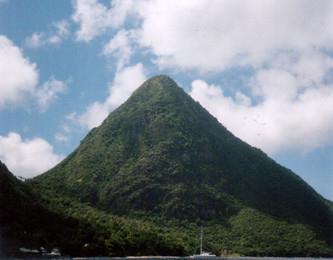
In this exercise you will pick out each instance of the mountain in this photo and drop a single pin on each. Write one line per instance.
(162, 156)
(29, 221)
(22, 217)
(26, 221)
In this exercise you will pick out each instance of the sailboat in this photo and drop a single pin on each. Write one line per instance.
(203, 254)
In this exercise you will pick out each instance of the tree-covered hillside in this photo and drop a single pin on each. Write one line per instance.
(28, 220)
(162, 156)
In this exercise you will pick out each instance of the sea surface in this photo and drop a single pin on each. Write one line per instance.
(174, 258)
(201, 258)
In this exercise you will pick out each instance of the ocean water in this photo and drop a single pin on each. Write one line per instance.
(173, 258)
(210, 258)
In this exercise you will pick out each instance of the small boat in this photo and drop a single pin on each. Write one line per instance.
(203, 254)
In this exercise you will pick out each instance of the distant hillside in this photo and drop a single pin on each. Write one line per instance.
(163, 157)
(26, 222)
(30, 221)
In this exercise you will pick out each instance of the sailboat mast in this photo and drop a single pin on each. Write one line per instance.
(201, 235)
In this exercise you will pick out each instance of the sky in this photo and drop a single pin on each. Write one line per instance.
(264, 69)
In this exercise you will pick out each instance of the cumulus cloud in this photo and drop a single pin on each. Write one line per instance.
(119, 47)
(124, 83)
(19, 76)
(94, 18)
(49, 92)
(287, 47)
(228, 33)
(215, 35)
(59, 32)
(19, 79)
(27, 157)
(286, 108)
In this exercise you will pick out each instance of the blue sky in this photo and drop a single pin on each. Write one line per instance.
(264, 70)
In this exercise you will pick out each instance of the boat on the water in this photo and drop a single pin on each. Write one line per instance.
(203, 254)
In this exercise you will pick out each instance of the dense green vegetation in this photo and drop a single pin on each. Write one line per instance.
(81, 230)
(160, 166)
(31, 221)
(25, 221)
(119, 236)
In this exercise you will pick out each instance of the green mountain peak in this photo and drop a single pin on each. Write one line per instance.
(161, 154)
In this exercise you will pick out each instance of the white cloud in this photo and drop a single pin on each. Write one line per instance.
(95, 114)
(218, 34)
(94, 18)
(35, 40)
(63, 135)
(49, 92)
(59, 32)
(286, 109)
(120, 47)
(68, 125)
(19, 76)
(29, 157)
(287, 45)
(124, 83)
(19, 79)
(213, 35)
